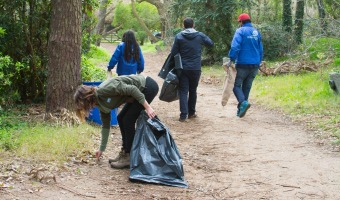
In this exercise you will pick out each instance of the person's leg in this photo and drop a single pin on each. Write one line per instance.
(248, 82)
(240, 77)
(121, 125)
(133, 112)
(193, 84)
(183, 94)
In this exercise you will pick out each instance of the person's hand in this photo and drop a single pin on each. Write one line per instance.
(98, 154)
(151, 113)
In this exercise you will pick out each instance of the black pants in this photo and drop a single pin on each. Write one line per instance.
(188, 83)
(128, 116)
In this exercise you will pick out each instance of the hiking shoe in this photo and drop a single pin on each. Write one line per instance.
(120, 154)
(238, 109)
(123, 162)
(182, 120)
(243, 108)
(192, 116)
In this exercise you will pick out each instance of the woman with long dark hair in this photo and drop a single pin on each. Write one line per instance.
(128, 55)
(136, 92)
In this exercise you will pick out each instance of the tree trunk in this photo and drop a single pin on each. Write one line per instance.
(64, 53)
(162, 12)
(143, 25)
(298, 30)
(322, 15)
(287, 16)
(101, 21)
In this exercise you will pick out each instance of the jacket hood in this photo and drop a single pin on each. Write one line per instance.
(189, 33)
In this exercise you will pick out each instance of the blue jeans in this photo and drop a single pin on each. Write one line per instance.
(188, 83)
(243, 82)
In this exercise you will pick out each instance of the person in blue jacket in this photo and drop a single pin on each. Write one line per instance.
(128, 55)
(189, 43)
(247, 53)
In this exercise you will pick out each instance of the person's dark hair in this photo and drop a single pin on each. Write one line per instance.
(246, 21)
(188, 23)
(85, 100)
(131, 49)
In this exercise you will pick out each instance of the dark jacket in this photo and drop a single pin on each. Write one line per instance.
(188, 44)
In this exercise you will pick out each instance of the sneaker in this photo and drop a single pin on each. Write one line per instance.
(238, 110)
(192, 116)
(243, 108)
(123, 162)
(120, 154)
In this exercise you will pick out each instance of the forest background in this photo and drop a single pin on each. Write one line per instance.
(48, 48)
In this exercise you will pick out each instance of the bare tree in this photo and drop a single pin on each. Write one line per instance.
(101, 20)
(162, 8)
(322, 16)
(299, 19)
(64, 53)
(143, 25)
(287, 16)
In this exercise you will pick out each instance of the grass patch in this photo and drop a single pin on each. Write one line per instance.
(322, 47)
(48, 143)
(305, 96)
(41, 141)
(152, 48)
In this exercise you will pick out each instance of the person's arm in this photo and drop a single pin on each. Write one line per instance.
(235, 45)
(140, 63)
(105, 132)
(175, 47)
(151, 113)
(115, 58)
(207, 41)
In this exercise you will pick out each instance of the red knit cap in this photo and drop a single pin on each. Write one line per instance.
(243, 17)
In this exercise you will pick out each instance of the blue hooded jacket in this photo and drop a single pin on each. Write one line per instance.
(246, 46)
(124, 67)
(189, 44)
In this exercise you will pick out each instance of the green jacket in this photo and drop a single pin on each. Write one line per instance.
(114, 92)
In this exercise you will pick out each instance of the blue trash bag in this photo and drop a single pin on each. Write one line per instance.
(154, 156)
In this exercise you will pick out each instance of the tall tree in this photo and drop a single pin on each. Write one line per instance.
(287, 16)
(64, 52)
(299, 16)
(101, 20)
(322, 16)
(162, 7)
(141, 22)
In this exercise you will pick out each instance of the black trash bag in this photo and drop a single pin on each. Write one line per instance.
(169, 90)
(172, 63)
(154, 156)
(168, 65)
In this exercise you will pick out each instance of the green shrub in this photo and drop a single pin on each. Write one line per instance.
(276, 43)
(321, 48)
(91, 69)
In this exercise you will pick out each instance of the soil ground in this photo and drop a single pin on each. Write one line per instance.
(264, 155)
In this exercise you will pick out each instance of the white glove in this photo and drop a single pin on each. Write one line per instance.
(109, 74)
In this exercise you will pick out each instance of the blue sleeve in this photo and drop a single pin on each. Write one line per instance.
(261, 48)
(115, 57)
(140, 66)
(235, 45)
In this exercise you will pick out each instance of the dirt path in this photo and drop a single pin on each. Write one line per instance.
(261, 156)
